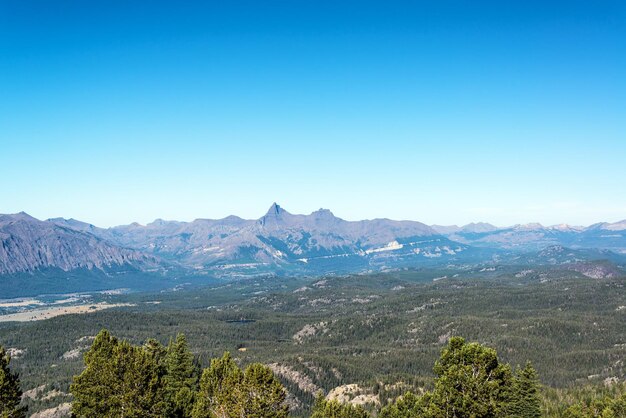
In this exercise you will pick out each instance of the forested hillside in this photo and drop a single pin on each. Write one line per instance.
(123, 380)
(360, 339)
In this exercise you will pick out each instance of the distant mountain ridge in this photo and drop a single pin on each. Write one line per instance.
(474, 227)
(611, 236)
(28, 245)
(277, 239)
(280, 242)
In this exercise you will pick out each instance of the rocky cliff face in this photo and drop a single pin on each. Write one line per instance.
(27, 245)
(278, 237)
(280, 241)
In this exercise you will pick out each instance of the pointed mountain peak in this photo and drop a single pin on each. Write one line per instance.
(275, 210)
(274, 214)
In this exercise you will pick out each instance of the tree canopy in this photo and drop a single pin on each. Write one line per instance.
(324, 408)
(122, 380)
(226, 391)
(10, 390)
(472, 382)
(151, 380)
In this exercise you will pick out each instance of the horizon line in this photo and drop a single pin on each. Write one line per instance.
(276, 205)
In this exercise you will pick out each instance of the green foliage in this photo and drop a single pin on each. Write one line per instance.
(226, 391)
(598, 408)
(408, 406)
(264, 395)
(585, 401)
(324, 408)
(525, 401)
(150, 381)
(181, 378)
(10, 391)
(119, 380)
(470, 382)
(220, 387)
(569, 326)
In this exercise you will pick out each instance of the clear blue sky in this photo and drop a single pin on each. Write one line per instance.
(443, 112)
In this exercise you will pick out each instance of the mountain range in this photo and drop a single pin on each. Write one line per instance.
(28, 245)
(278, 241)
(283, 243)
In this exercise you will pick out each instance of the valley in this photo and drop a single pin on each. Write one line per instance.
(65, 255)
(367, 337)
(357, 310)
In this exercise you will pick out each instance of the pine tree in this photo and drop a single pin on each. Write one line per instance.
(10, 391)
(227, 392)
(470, 382)
(264, 395)
(617, 407)
(94, 386)
(181, 379)
(606, 407)
(408, 406)
(324, 408)
(220, 390)
(157, 353)
(119, 380)
(525, 402)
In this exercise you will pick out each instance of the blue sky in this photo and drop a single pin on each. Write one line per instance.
(443, 112)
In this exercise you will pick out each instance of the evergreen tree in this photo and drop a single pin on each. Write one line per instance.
(470, 382)
(618, 407)
(589, 409)
(408, 406)
(227, 392)
(93, 387)
(324, 408)
(220, 391)
(181, 379)
(157, 352)
(10, 391)
(525, 402)
(119, 380)
(598, 408)
(264, 395)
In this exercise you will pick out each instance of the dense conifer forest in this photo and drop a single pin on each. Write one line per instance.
(550, 343)
(123, 380)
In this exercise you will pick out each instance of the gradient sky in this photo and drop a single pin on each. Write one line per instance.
(439, 111)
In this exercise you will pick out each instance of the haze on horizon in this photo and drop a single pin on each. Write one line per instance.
(444, 113)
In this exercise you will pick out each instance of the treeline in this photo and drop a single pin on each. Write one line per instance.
(152, 380)
(156, 381)
(542, 322)
(10, 390)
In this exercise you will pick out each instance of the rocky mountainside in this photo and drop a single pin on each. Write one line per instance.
(279, 239)
(282, 242)
(29, 245)
(610, 236)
